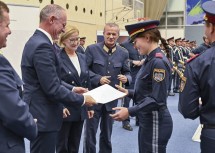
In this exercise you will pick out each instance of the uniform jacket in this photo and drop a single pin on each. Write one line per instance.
(70, 75)
(43, 89)
(15, 120)
(198, 82)
(200, 48)
(100, 64)
(80, 49)
(150, 91)
(133, 55)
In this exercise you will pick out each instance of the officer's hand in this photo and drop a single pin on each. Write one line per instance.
(122, 78)
(122, 89)
(105, 80)
(90, 114)
(79, 90)
(66, 113)
(121, 115)
(89, 101)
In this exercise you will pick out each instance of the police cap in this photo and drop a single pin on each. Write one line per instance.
(208, 8)
(82, 37)
(135, 29)
(177, 39)
(171, 38)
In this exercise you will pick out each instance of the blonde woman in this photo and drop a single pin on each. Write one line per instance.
(74, 72)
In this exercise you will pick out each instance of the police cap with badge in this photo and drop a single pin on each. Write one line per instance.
(209, 9)
(135, 29)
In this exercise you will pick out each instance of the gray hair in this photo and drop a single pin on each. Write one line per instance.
(50, 10)
(112, 25)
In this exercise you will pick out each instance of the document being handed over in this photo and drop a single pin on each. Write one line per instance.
(105, 94)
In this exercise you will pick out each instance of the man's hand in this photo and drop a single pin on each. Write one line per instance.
(122, 89)
(90, 114)
(89, 101)
(66, 113)
(137, 62)
(79, 90)
(121, 115)
(105, 80)
(122, 78)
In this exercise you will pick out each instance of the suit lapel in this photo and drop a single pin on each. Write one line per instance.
(68, 63)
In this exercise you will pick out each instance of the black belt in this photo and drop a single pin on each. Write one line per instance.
(162, 108)
(208, 126)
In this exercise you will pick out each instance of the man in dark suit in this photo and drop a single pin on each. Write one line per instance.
(81, 48)
(108, 64)
(15, 120)
(43, 89)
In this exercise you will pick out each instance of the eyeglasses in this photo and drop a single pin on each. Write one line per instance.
(73, 40)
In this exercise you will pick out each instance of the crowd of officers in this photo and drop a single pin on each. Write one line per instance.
(179, 51)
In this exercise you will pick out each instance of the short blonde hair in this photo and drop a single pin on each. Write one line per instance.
(68, 32)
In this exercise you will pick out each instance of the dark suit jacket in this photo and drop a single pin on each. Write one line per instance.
(43, 89)
(70, 76)
(15, 120)
(100, 64)
(80, 50)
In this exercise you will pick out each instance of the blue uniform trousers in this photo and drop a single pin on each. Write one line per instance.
(106, 126)
(207, 141)
(154, 131)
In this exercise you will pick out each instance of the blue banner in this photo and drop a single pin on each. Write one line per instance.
(194, 12)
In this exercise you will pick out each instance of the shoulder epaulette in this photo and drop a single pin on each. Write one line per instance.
(159, 55)
(192, 58)
(123, 48)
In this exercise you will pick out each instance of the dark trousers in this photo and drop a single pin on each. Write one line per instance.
(69, 137)
(44, 143)
(126, 103)
(154, 131)
(170, 82)
(176, 81)
(91, 126)
(207, 141)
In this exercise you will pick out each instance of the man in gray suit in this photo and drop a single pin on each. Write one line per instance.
(15, 120)
(43, 90)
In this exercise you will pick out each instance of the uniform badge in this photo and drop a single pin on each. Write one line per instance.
(183, 83)
(159, 74)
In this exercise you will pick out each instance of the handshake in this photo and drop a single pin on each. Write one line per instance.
(89, 100)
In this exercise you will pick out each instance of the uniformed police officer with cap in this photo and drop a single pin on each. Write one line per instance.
(150, 91)
(198, 82)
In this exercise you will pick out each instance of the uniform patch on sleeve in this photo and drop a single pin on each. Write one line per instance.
(158, 75)
(183, 83)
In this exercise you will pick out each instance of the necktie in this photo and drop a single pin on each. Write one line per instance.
(110, 51)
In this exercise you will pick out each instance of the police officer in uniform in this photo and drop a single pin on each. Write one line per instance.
(150, 89)
(198, 82)
(108, 64)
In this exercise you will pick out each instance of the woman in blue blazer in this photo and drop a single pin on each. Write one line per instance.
(75, 72)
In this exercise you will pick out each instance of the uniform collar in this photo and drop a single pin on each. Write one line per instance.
(212, 44)
(107, 49)
(152, 54)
